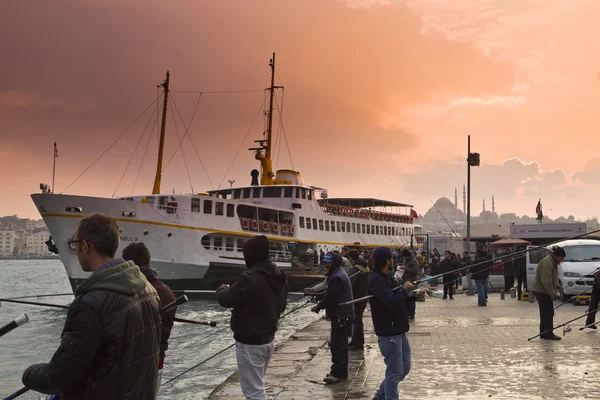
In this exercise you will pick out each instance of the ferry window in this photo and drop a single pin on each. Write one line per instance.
(162, 202)
(236, 193)
(363, 229)
(256, 193)
(246, 193)
(376, 230)
(308, 223)
(314, 223)
(354, 227)
(310, 194)
(302, 222)
(402, 231)
(288, 192)
(196, 205)
(228, 195)
(297, 193)
(321, 225)
(368, 229)
(272, 192)
(332, 226)
(218, 243)
(348, 227)
(229, 244)
(219, 208)
(207, 206)
(205, 242)
(343, 227)
(230, 212)
(339, 228)
(240, 245)
(150, 200)
(327, 226)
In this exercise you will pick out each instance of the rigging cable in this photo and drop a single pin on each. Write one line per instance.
(133, 154)
(190, 137)
(279, 140)
(110, 147)
(179, 146)
(156, 127)
(242, 144)
(283, 128)
(216, 92)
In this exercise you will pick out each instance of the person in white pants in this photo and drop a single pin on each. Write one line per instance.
(258, 298)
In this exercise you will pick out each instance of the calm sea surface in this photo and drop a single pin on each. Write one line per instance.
(37, 340)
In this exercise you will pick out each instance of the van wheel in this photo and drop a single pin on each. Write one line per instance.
(564, 297)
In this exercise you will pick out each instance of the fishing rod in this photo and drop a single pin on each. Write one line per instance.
(580, 294)
(590, 325)
(564, 324)
(521, 252)
(180, 300)
(225, 349)
(42, 295)
(188, 321)
(20, 320)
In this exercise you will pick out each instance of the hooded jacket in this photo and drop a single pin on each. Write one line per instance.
(166, 296)
(110, 343)
(258, 298)
(338, 290)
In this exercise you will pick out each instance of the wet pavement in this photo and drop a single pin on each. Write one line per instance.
(459, 351)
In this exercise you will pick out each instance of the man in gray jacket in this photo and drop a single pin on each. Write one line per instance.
(545, 286)
(411, 274)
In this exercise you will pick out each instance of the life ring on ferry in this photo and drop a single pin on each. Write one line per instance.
(254, 225)
(284, 229)
(244, 224)
(361, 214)
(275, 227)
(264, 226)
(291, 230)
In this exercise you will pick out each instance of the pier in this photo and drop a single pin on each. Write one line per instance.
(459, 351)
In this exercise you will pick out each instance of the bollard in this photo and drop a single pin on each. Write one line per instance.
(513, 293)
(502, 295)
(530, 297)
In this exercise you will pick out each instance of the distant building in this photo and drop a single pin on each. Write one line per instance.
(36, 243)
(7, 243)
(32, 225)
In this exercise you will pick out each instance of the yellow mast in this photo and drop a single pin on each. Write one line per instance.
(161, 143)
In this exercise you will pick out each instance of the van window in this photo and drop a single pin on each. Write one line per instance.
(582, 253)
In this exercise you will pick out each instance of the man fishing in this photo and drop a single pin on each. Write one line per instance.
(545, 286)
(338, 290)
(389, 314)
(258, 298)
(110, 342)
(140, 255)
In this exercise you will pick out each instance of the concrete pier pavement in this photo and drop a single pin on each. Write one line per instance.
(459, 351)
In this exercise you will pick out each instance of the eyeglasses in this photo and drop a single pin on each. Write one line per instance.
(73, 243)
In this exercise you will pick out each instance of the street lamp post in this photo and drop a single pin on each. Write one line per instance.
(472, 161)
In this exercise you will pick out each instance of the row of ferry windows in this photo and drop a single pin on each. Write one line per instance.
(341, 226)
(219, 241)
(208, 207)
(267, 192)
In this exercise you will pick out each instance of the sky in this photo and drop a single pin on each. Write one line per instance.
(379, 97)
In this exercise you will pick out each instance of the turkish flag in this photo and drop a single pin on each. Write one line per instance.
(413, 213)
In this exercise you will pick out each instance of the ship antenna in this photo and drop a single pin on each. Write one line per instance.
(161, 143)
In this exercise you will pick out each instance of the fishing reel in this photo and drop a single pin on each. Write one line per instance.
(566, 329)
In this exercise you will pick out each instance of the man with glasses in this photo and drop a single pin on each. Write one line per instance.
(110, 341)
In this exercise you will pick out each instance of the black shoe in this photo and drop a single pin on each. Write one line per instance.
(330, 379)
(445, 298)
(482, 305)
(553, 337)
(592, 327)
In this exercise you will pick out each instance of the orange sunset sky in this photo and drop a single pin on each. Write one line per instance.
(379, 97)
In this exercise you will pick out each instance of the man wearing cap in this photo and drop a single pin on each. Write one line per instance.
(545, 286)
(391, 323)
(258, 298)
(338, 290)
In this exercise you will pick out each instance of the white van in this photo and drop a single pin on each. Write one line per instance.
(583, 258)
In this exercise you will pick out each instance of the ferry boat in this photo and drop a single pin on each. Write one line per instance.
(196, 239)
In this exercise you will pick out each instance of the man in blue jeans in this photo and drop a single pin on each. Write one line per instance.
(482, 267)
(388, 310)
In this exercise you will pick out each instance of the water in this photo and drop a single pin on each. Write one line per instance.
(36, 341)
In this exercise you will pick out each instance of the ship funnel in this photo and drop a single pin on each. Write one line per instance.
(287, 175)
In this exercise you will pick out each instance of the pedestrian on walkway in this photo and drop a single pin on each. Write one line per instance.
(482, 267)
(110, 342)
(448, 266)
(337, 291)
(411, 274)
(508, 271)
(545, 286)
(591, 318)
(435, 266)
(388, 311)
(521, 273)
(140, 255)
(465, 262)
(258, 298)
(359, 277)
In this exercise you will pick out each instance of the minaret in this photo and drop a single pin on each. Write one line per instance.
(455, 197)
(493, 205)
(464, 199)
(484, 205)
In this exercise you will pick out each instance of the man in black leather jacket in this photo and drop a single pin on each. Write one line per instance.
(258, 298)
(110, 343)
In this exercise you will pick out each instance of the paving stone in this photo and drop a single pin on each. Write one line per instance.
(459, 351)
